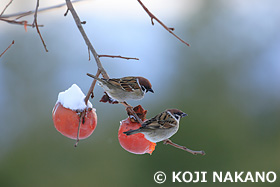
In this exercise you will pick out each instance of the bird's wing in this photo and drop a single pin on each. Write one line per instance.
(163, 120)
(128, 84)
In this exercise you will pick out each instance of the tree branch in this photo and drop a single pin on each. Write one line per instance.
(170, 30)
(7, 48)
(7, 18)
(6, 7)
(25, 23)
(118, 56)
(35, 14)
(90, 91)
(18, 22)
(22, 14)
(34, 24)
(168, 141)
(88, 43)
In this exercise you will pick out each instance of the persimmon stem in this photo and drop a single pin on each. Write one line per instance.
(81, 121)
(130, 109)
(168, 141)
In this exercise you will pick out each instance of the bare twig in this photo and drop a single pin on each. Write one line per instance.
(90, 91)
(35, 15)
(6, 18)
(118, 56)
(6, 7)
(36, 25)
(7, 48)
(66, 12)
(162, 24)
(22, 14)
(18, 22)
(168, 141)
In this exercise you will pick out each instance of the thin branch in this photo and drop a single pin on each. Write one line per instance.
(162, 24)
(7, 48)
(90, 91)
(118, 56)
(18, 22)
(36, 25)
(168, 141)
(22, 14)
(35, 14)
(6, 7)
(82, 31)
(66, 12)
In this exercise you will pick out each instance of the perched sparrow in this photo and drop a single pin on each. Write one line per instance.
(160, 127)
(125, 88)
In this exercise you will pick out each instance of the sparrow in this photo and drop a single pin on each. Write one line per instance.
(161, 127)
(125, 88)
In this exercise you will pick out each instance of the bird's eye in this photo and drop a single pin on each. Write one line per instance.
(177, 116)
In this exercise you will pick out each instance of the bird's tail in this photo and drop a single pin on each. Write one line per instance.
(130, 132)
(93, 76)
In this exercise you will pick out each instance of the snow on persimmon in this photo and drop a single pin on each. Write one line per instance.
(67, 111)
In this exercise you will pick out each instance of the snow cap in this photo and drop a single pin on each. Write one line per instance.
(73, 98)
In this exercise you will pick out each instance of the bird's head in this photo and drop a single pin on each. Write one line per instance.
(145, 84)
(178, 114)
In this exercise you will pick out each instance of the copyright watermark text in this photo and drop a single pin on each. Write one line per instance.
(217, 177)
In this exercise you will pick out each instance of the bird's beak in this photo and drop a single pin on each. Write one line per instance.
(150, 90)
(184, 114)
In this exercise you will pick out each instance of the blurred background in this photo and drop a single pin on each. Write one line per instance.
(228, 82)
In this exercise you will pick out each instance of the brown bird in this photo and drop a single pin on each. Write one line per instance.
(125, 88)
(161, 127)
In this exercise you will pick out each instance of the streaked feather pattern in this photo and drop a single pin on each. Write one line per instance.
(126, 83)
(163, 120)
